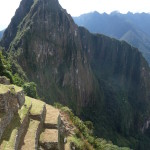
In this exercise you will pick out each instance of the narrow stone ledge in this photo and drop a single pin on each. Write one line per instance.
(49, 139)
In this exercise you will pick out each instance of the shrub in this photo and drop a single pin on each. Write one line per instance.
(83, 138)
(18, 80)
(76, 142)
(30, 89)
(89, 125)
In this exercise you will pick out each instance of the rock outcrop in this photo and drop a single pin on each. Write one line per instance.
(4, 80)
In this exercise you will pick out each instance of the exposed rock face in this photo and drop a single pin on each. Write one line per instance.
(9, 105)
(102, 79)
(10, 100)
(11, 31)
(4, 121)
(4, 80)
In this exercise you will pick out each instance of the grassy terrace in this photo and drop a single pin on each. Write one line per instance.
(6, 88)
(51, 115)
(17, 88)
(8, 139)
(37, 106)
(49, 136)
(3, 89)
(30, 137)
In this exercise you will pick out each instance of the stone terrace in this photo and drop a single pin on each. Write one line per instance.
(27, 123)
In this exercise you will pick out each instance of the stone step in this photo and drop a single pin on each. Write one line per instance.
(49, 139)
(16, 129)
(37, 117)
(38, 110)
(31, 138)
(5, 120)
(11, 97)
(67, 146)
(51, 119)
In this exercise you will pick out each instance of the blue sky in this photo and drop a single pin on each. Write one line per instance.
(77, 7)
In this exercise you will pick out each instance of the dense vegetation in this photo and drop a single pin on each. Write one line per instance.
(84, 138)
(13, 71)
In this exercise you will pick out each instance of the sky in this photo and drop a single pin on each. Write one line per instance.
(78, 7)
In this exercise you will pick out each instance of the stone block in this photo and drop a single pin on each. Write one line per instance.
(4, 80)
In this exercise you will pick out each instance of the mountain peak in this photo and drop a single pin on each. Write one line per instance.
(115, 12)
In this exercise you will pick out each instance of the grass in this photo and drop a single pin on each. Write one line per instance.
(3, 89)
(49, 136)
(6, 88)
(76, 141)
(8, 139)
(24, 109)
(17, 88)
(51, 115)
(37, 106)
(29, 140)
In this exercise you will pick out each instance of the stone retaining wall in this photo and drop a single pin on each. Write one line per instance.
(37, 135)
(4, 122)
(4, 80)
(11, 101)
(22, 130)
(21, 98)
(61, 134)
(8, 106)
(40, 127)
(40, 118)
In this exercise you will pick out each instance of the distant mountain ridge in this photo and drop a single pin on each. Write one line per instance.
(133, 28)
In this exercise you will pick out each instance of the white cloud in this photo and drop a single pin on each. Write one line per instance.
(7, 10)
(77, 7)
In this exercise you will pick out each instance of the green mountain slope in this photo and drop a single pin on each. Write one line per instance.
(100, 78)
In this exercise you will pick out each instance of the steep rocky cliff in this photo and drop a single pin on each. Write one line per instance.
(132, 28)
(100, 78)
